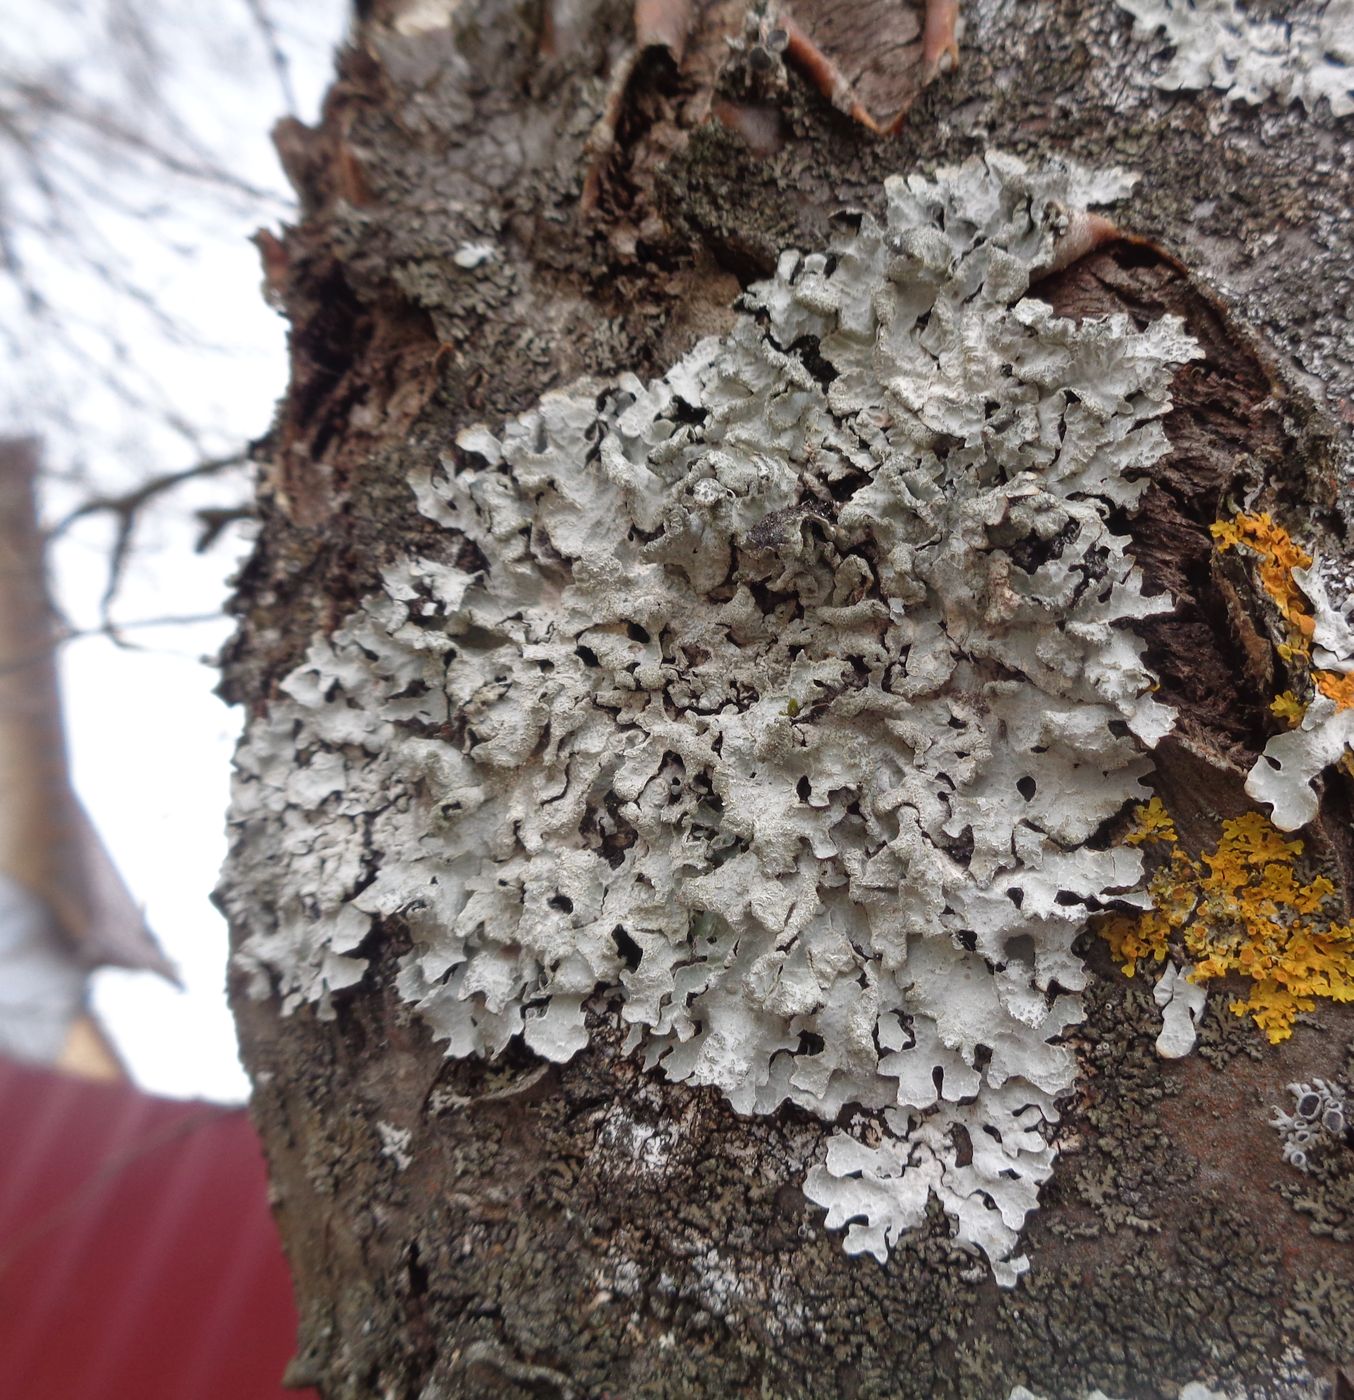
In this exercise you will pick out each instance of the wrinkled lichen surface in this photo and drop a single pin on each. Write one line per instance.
(1299, 57)
(777, 698)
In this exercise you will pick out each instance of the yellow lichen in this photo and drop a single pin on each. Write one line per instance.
(1279, 555)
(1152, 822)
(1288, 708)
(1240, 909)
(1244, 908)
(1336, 687)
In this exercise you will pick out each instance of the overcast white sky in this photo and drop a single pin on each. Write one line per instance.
(149, 743)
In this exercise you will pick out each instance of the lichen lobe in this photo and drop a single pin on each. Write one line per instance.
(779, 705)
(1303, 56)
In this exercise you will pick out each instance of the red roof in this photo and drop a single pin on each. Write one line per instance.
(138, 1258)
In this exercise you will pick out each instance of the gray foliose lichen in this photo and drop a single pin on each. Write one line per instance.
(777, 702)
(1303, 55)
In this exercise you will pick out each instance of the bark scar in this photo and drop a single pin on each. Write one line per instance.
(939, 54)
(658, 24)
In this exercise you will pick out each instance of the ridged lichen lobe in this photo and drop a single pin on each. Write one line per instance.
(1301, 56)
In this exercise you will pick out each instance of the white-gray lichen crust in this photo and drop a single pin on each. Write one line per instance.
(776, 702)
(1304, 55)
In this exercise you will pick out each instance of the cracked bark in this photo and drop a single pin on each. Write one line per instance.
(522, 1253)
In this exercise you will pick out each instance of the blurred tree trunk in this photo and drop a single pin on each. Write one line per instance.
(471, 237)
(63, 907)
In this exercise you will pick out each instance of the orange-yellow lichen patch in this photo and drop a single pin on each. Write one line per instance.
(1242, 908)
(1279, 555)
(1336, 687)
(1288, 708)
(1136, 940)
(1151, 823)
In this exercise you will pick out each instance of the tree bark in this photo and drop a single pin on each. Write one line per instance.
(492, 209)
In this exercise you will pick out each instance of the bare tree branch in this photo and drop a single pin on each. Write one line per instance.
(263, 22)
(126, 509)
(129, 502)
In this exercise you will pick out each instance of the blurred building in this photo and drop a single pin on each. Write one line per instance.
(138, 1256)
